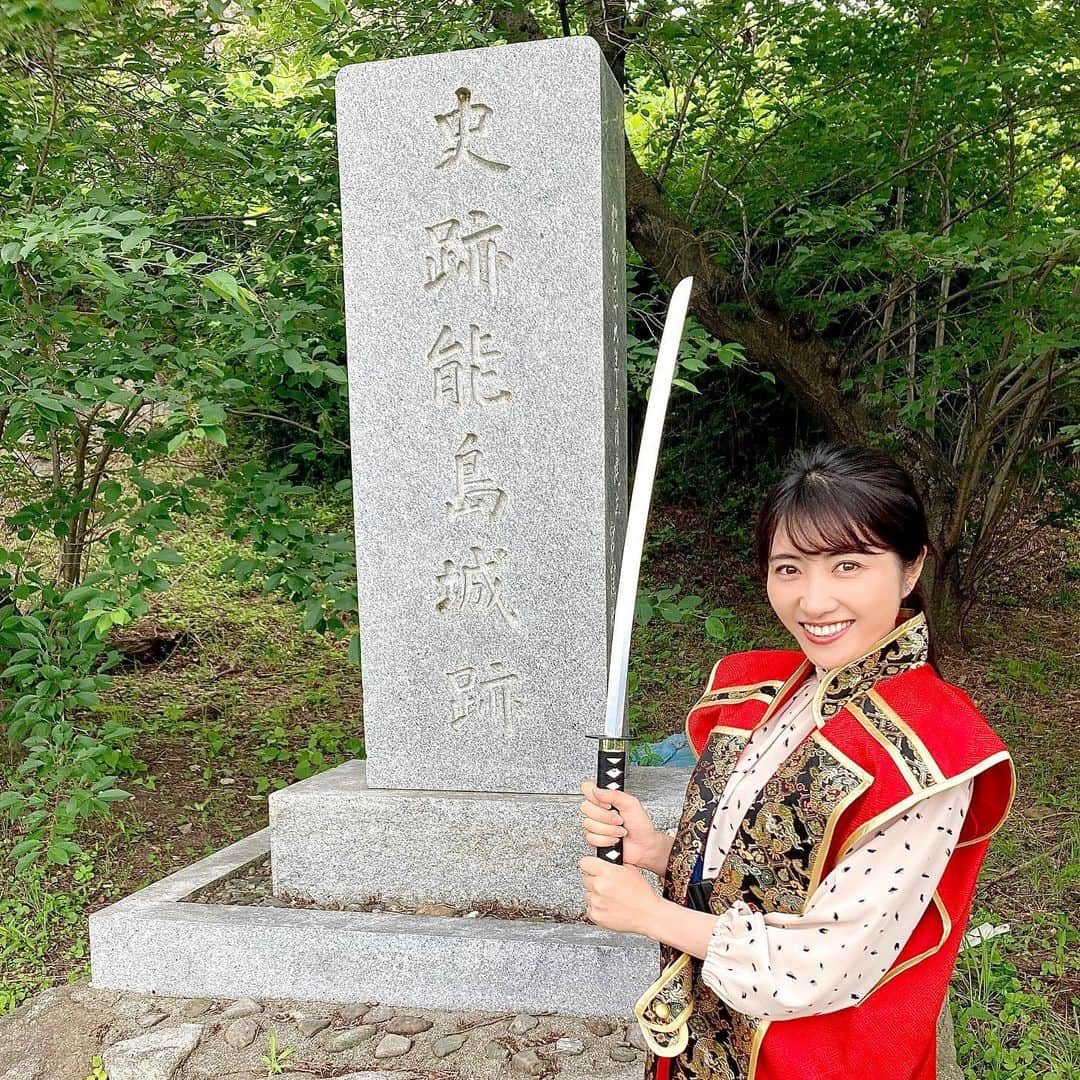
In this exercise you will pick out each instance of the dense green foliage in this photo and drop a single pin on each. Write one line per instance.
(148, 300)
(170, 279)
(880, 202)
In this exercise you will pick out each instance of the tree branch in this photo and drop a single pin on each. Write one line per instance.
(340, 443)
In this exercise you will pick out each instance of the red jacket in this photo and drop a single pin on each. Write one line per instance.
(894, 733)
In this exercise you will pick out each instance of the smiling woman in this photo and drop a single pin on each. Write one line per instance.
(841, 543)
(818, 886)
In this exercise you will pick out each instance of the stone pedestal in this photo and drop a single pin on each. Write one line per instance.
(333, 838)
(157, 941)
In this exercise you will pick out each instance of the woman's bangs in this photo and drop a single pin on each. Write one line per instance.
(821, 530)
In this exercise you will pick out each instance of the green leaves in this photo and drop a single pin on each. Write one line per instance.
(226, 286)
(295, 552)
(63, 779)
(685, 385)
(157, 280)
(720, 625)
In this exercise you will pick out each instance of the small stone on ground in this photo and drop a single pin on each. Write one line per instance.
(378, 1014)
(393, 1046)
(241, 1033)
(521, 1023)
(346, 1040)
(448, 1045)
(528, 1063)
(408, 1025)
(154, 1056)
(241, 1007)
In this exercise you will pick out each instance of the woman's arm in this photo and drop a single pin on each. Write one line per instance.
(658, 859)
(683, 928)
(830, 956)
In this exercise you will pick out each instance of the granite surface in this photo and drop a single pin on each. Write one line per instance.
(484, 247)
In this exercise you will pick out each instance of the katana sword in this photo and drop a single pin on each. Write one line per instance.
(612, 746)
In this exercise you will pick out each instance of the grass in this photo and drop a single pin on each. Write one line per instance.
(1015, 997)
(43, 937)
(248, 702)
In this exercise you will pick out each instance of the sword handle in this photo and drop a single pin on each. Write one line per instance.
(611, 773)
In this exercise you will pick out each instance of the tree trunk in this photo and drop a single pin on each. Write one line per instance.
(941, 583)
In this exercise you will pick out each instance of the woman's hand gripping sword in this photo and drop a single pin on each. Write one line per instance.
(612, 747)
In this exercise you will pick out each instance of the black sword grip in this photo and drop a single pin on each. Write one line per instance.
(611, 773)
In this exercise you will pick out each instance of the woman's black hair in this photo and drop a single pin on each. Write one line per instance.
(839, 498)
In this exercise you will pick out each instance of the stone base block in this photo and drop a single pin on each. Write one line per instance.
(154, 942)
(334, 839)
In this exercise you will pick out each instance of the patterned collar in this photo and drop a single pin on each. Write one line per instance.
(904, 647)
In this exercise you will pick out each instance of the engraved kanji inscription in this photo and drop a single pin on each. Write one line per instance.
(474, 493)
(477, 584)
(466, 254)
(462, 125)
(460, 372)
(487, 701)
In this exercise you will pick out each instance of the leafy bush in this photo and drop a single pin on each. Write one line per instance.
(1007, 1032)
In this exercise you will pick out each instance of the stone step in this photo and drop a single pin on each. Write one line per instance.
(334, 839)
(157, 941)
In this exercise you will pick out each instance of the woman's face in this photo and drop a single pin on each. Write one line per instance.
(854, 597)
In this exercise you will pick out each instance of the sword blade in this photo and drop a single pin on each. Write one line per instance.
(626, 596)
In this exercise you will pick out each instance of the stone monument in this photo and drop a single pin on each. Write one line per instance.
(483, 220)
(484, 248)
(483, 223)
